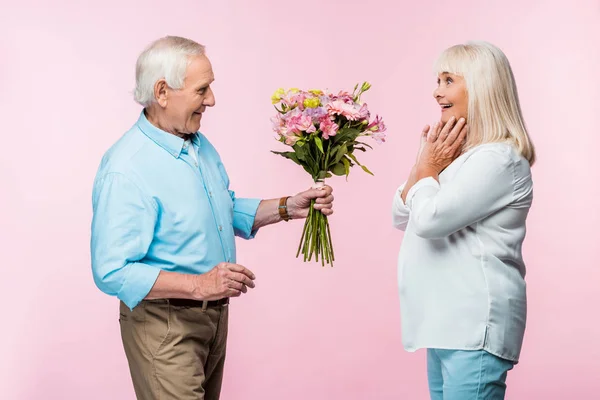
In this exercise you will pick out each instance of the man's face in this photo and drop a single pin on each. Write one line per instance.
(184, 107)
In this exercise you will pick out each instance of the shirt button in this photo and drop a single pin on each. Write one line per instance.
(210, 194)
(220, 228)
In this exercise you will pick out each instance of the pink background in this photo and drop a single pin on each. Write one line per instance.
(305, 332)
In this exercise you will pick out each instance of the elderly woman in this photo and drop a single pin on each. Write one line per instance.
(464, 208)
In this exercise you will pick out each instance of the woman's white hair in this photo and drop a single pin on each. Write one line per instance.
(166, 58)
(494, 113)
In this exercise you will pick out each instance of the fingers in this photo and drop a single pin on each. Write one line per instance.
(455, 132)
(325, 205)
(241, 269)
(425, 132)
(325, 200)
(323, 191)
(446, 129)
(458, 144)
(241, 278)
(324, 211)
(434, 133)
(237, 286)
(321, 207)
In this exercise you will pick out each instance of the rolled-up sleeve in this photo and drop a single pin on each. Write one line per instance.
(123, 225)
(483, 185)
(244, 213)
(400, 212)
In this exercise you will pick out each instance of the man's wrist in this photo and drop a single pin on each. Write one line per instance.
(283, 209)
(195, 291)
(291, 208)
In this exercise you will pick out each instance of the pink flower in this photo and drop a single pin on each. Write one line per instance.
(299, 122)
(328, 127)
(296, 99)
(339, 107)
(379, 137)
(278, 122)
(291, 140)
(376, 130)
(377, 125)
(363, 112)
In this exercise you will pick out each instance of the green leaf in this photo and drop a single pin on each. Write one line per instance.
(301, 152)
(364, 144)
(344, 135)
(343, 149)
(346, 166)
(367, 170)
(339, 169)
(290, 155)
(319, 144)
(362, 166)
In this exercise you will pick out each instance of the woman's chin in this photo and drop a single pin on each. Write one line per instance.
(446, 117)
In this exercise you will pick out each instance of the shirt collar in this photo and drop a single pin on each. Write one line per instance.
(171, 143)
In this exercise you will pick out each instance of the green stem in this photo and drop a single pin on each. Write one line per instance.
(314, 231)
(302, 238)
(330, 241)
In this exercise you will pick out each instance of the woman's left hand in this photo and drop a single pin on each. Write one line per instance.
(443, 145)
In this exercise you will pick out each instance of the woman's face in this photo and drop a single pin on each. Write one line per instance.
(451, 95)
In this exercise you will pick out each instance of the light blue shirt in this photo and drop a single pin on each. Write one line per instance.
(156, 207)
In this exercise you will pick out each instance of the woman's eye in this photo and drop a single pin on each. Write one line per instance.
(448, 81)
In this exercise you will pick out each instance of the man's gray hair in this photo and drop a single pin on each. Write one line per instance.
(166, 58)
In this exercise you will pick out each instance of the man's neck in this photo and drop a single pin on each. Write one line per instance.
(155, 119)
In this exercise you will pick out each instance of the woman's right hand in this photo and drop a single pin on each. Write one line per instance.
(442, 145)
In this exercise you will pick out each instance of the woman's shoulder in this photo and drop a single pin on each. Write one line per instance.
(502, 152)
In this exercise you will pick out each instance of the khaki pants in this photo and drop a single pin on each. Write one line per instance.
(175, 352)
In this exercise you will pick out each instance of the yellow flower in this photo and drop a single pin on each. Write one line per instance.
(294, 90)
(316, 92)
(279, 93)
(312, 102)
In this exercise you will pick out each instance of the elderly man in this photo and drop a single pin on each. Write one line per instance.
(164, 225)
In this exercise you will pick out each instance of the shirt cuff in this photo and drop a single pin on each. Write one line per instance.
(244, 213)
(399, 204)
(429, 186)
(138, 282)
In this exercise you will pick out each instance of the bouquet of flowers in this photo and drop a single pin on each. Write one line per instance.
(324, 130)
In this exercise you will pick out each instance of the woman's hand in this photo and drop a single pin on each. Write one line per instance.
(439, 147)
(442, 145)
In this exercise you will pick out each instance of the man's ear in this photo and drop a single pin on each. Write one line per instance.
(160, 92)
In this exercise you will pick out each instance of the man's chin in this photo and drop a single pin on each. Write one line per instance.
(192, 129)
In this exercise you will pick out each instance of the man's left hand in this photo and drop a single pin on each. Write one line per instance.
(299, 204)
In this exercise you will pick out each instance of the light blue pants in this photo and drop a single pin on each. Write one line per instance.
(466, 375)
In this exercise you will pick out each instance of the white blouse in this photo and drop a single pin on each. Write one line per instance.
(460, 269)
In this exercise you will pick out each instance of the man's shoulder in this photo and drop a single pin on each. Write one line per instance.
(123, 156)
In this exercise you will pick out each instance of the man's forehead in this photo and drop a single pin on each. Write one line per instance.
(200, 70)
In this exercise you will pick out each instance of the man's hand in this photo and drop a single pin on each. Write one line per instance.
(298, 205)
(225, 280)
